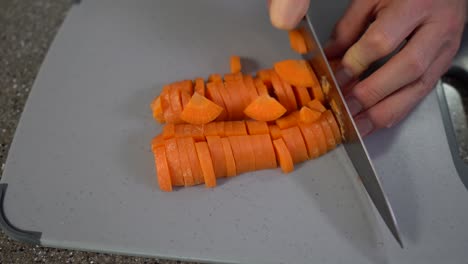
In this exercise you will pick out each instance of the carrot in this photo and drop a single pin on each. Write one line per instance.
(320, 136)
(242, 164)
(185, 86)
(230, 162)
(297, 41)
(200, 86)
(194, 131)
(290, 95)
(180, 131)
(260, 86)
(334, 126)
(316, 105)
(235, 64)
(283, 156)
(263, 151)
(318, 93)
(230, 77)
(288, 121)
(302, 95)
(215, 78)
(295, 143)
(168, 131)
(156, 108)
(275, 131)
(211, 129)
(310, 140)
(329, 137)
(251, 89)
(307, 115)
(189, 144)
(206, 164)
(265, 76)
(200, 110)
(213, 94)
(279, 91)
(238, 102)
(257, 127)
(165, 96)
(235, 128)
(296, 72)
(265, 108)
(249, 155)
(241, 91)
(231, 108)
(228, 129)
(157, 141)
(162, 169)
(220, 129)
(217, 155)
(176, 104)
(185, 163)
(185, 98)
(173, 160)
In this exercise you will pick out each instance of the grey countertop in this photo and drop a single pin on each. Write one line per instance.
(27, 28)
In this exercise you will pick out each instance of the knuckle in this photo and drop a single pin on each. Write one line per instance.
(368, 96)
(380, 42)
(417, 64)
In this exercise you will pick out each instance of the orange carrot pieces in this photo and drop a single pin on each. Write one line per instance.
(265, 77)
(200, 86)
(230, 77)
(290, 95)
(288, 121)
(334, 126)
(206, 164)
(307, 115)
(310, 140)
(217, 155)
(316, 105)
(246, 143)
(180, 131)
(165, 96)
(242, 164)
(251, 89)
(302, 95)
(176, 104)
(279, 91)
(329, 137)
(260, 86)
(296, 72)
(237, 101)
(263, 151)
(185, 163)
(173, 160)
(235, 64)
(275, 131)
(210, 129)
(200, 110)
(228, 102)
(213, 94)
(193, 157)
(185, 86)
(295, 143)
(318, 93)
(157, 141)
(265, 108)
(162, 169)
(220, 129)
(215, 78)
(168, 131)
(257, 127)
(320, 136)
(195, 131)
(241, 92)
(283, 156)
(157, 110)
(297, 41)
(230, 162)
(185, 99)
(235, 128)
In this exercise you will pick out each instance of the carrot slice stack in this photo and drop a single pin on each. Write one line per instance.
(206, 164)
(264, 153)
(215, 78)
(288, 121)
(330, 138)
(265, 108)
(307, 115)
(240, 157)
(230, 162)
(162, 169)
(275, 131)
(279, 91)
(173, 160)
(295, 143)
(296, 73)
(168, 113)
(320, 136)
(316, 105)
(220, 129)
(193, 157)
(200, 86)
(176, 104)
(235, 64)
(290, 95)
(257, 127)
(334, 125)
(185, 163)
(156, 108)
(302, 95)
(262, 89)
(283, 156)
(297, 41)
(251, 89)
(217, 155)
(310, 140)
(200, 110)
(213, 94)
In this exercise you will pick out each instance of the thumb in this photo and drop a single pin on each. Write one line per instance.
(285, 14)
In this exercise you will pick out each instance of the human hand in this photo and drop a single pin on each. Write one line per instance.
(371, 30)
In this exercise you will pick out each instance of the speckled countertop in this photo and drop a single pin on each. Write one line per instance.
(27, 28)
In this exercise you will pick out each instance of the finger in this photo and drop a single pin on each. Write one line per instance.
(405, 67)
(394, 108)
(348, 29)
(286, 14)
(392, 25)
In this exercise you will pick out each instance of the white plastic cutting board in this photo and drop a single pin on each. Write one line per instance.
(81, 174)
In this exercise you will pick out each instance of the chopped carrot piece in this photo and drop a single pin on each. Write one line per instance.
(228, 129)
(290, 95)
(230, 162)
(330, 138)
(235, 128)
(157, 141)
(251, 89)
(235, 64)
(200, 110)
(310, 140)
(288, 121)
(217, 155)
(168, 131)
(334, 126)
(211, 129)
(184, 86)
(257, 127)
(265, 76)
(260, 86)
(307, 115)
(263, 151)
(200, 86)
(320, 136)
(180, 131)
(215, 78)
(220, 129)
(213, 94)
(316, 105)
(246, 144)
(173, 159)
(279, 91)
(242, 163)
(231, 107)
(302, 95)
(185, 98)
(194, 131)
(318, 93)
(162, 169)
(241, 92)
(297, 41)
(230, 77)
(189, 144)
(157, 110)
(237, 101)
(265, 108)
(296, 72)
(185, 163)
(295, 143)
(168, 113)
(275, 131)
(176, 104)
(206, 164)
(283, 156)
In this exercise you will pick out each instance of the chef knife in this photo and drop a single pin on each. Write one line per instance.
(353, 143)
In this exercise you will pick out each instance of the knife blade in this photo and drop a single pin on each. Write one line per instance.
(352, 143)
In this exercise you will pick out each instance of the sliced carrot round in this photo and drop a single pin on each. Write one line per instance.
(235, 64)
(173, 159)
(302, 95)
(318, 93)
(185, 163)
(200, 86)
(200, 110)
(168, 113)
(162, 169)
(217, 155)
(232, 100)
(296, 73)
(297, 41)
(265, 76)
(295, 143)
(220, 131)
(320, 136)
(230, 108)
(307, 115)
(157, 141)
(268, 154)
(265, 108)
(288, 121)
(206, 164)
(257, 127)
(168, 131)
(176, 104)
(242, 164)
(246, 144)
(279, 91)
(334, 126)
(330, 138)
(283, 156)
(251, 89)
(275, 131)
(156, 108)
(288, 90)
(194, 163)
(316, 105)
(230, 162)
(310, 140)
(260, 86)
(210, 129)
(212, 93)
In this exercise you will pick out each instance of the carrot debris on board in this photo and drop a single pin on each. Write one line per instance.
(275, 131)
(213, 94)
(316, 105)
(296, 73)
(251, 89)
(262, 89)
(235, 64)
(297, 41)
(334, 126)
(217, 155)
(193, 157)
(302, 95)
(310, 140)
(330, 138)
(230, 162)
(307, 115)
(215, 77)
(162, 169)
(257, 127)
(185, 163)
(206, 164)
(288, 121)
(283, 156)
(173, 160)
(265, 108)
(295, 143)
(156, 108)
(200, 110)
(199, 86)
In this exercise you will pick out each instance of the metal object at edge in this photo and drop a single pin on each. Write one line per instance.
(353, 143)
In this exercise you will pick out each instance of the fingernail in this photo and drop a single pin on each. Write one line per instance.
(343, 76)
(285, 14)
(364, 126)
(354, 106)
